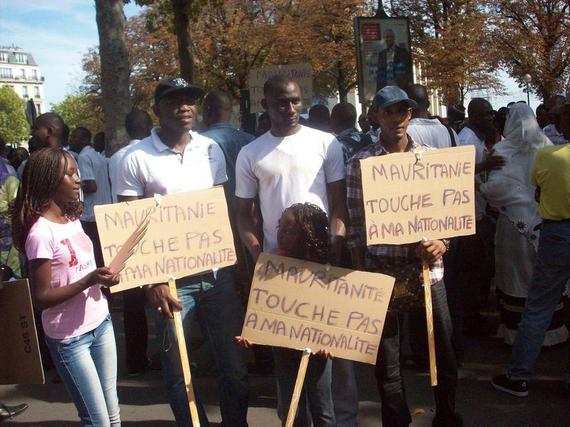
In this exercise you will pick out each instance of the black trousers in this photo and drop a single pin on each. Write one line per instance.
(395, 411)
(136, 330)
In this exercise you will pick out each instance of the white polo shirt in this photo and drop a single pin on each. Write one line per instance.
(430, 132)
(115, 164)
(151, 167)
(93, 167)
(468, 137)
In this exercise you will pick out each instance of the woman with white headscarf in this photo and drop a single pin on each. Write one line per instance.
(518, 225)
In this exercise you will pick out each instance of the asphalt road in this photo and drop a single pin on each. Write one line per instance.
(144, 403)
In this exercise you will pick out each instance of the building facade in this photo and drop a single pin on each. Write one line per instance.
(19, 71)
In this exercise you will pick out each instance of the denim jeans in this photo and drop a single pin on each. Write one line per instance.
(316, 392)
(395, 411)
(87, 365)
(345, 393)
(214, 302)
(551, 272)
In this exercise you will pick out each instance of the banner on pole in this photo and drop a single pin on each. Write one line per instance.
(408, 196)
(188, 233)
(301, 73)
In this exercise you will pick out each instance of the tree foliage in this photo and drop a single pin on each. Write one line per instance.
(231, 37)
(533, 37)
(13, 125)
(324, 36)
(451, 41)
(81, 110)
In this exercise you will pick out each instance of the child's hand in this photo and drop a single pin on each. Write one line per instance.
(242, 342)
(324, 353)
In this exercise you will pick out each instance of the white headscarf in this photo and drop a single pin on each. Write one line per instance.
(509, 189)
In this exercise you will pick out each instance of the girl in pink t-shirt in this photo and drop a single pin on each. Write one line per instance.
(66, 284)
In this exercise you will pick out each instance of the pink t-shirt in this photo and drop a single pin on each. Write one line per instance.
(71, 253)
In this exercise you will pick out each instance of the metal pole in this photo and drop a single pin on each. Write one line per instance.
(380, 12)
(527, 94)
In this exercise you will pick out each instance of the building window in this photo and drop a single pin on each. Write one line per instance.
(5, 73)
(38, 109)
(21, 58)
(35, 74)
(22, 73)
(4, 56)
(25, 91)
(36, 91)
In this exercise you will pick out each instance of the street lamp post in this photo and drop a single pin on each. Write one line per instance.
(527, 79)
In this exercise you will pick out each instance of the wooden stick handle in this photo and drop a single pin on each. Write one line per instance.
(429, 322)
(298, 387)
(184, 359)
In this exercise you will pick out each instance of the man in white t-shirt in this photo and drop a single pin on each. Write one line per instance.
(138, 125)
(94, 184)
(553, 130)
(476, 253)
(289, 164)
(171, 160)
(421, 128)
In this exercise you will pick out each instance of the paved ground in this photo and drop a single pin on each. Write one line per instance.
(143, 401)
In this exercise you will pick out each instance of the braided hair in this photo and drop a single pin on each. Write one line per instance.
(40, 182)
(314, 226)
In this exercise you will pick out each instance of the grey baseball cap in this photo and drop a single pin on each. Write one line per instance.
(390, 95)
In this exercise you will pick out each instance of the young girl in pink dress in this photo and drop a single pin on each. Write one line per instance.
(66, 285)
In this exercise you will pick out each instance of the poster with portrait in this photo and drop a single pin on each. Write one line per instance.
(383, 53)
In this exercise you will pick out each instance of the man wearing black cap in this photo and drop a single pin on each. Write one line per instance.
(175, 159)
(393, 110)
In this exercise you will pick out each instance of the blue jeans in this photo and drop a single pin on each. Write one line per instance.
(345, 393)
(317, 388)
(87, 365)
(216, 305)
(395, 411)
(551, 272)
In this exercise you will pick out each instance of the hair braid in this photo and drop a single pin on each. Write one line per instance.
(313, 223)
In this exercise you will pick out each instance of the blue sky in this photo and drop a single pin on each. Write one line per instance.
(59, 32)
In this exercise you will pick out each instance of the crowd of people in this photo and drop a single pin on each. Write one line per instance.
(294, 189)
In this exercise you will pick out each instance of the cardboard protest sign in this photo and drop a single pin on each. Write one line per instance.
(301, 73)
(299, 304)
(188, 233)
(20, 359)
(408, 196)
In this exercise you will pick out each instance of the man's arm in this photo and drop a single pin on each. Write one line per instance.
(89, 186)
(491, 163)
(356, 238)
(336, 194)
(249, 226)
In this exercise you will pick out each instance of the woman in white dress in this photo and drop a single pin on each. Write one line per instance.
(518, 225)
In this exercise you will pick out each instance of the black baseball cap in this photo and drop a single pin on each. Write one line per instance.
(168, 87)
(390, 95)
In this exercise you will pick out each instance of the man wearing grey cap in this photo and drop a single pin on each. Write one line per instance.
(393, 110)
(171, 160)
